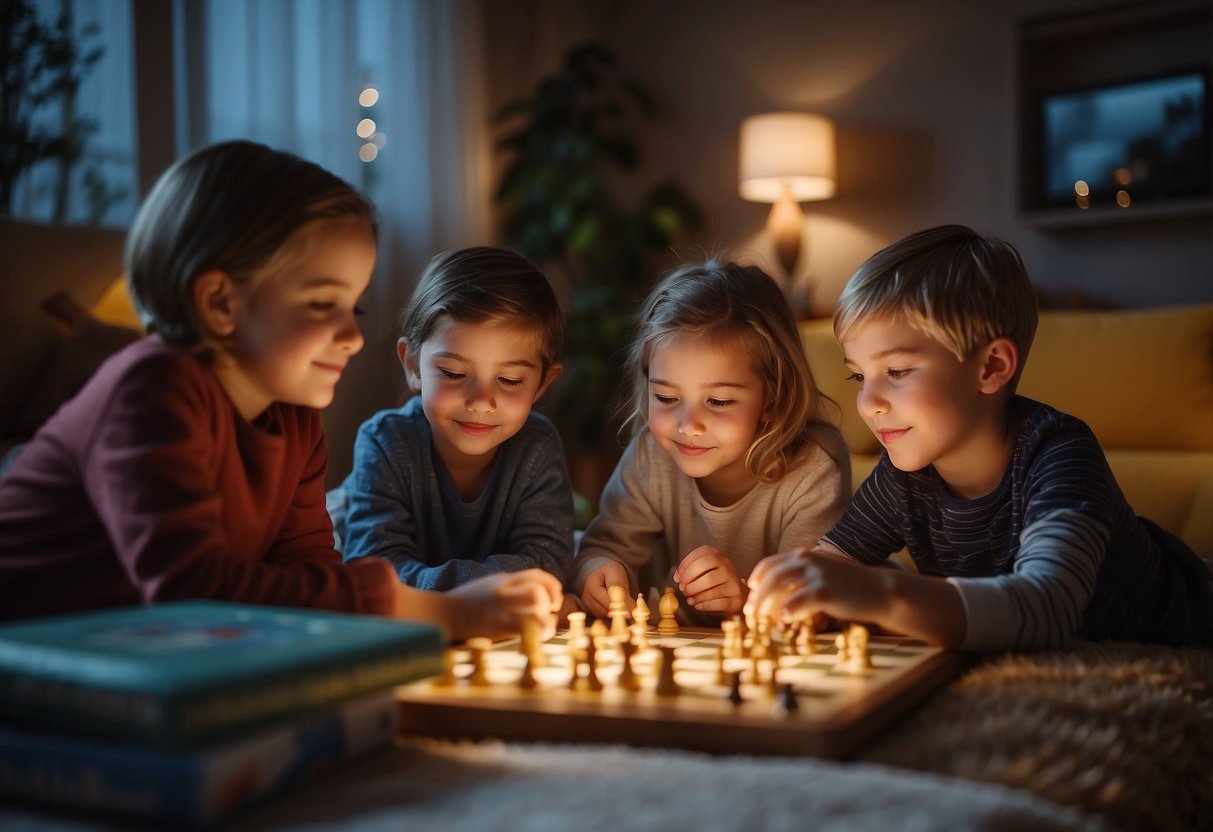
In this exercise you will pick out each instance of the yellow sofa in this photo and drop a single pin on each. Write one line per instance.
(1142, 379)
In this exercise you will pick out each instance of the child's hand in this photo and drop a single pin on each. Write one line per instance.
(594, 595)
(496, 605)
(795, 585)
(710, 582)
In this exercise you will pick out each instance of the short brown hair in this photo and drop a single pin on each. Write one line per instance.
(234, 206)
(483, 283)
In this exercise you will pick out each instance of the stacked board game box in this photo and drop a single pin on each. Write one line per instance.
(185, 712)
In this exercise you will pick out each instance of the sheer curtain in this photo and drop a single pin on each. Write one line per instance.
(290, 72)
(102, 189)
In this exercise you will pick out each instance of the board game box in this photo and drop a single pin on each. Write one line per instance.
(192, 788)
(177, 674)
(817, 705)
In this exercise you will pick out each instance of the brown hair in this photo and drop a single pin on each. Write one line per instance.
(235, 206)
(479, 284)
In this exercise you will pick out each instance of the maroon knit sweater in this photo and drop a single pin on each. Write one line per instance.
(149, 486)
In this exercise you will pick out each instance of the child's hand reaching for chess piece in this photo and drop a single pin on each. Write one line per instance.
(800, 583)
(493, 606)
(594, 595)
(710, 582)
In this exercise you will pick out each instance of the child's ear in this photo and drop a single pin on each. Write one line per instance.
(217, 300)
(551, 375)
(999, 366)
(408, 361)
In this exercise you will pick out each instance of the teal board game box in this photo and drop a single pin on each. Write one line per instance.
(176, 674)
(197, 787)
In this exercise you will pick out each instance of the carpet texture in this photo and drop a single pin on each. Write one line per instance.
(1122, 732)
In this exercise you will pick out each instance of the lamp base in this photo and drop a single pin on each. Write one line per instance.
(786, 224)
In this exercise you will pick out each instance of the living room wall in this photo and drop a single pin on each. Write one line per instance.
(924, 97)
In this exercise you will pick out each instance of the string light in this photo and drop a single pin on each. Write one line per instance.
(372, 138)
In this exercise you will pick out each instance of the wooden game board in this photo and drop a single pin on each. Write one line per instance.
(836, 711)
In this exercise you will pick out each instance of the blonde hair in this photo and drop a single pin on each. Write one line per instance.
(744, 306)
(950, 283)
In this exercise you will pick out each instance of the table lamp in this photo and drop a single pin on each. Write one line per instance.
(786, 159)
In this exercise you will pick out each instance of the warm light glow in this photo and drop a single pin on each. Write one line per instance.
(366, 128)
(1123, 199)
(1123, 176)
(1082, 188)
(787, 153)
(1084, 202)
(368, 152)
(368, 97)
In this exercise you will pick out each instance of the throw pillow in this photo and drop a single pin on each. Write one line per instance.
(88, 344)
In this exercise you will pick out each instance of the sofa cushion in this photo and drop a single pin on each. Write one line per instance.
(1166, 486)
(1140, 378)
(88, 344)
(825, 360)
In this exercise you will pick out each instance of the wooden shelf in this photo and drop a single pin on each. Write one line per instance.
(1058, 219)
(1116, 43)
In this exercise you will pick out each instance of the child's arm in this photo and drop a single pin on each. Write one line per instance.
(161, 467)
(800, 583)
(493, 606)
(621, 536)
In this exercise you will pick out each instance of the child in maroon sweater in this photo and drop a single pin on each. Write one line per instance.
(192, 464)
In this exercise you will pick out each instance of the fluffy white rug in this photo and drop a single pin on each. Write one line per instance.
(438, 786)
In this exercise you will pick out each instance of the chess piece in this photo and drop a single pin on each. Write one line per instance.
(788, 701)
(576, 626)
(447, 678)
(666, 684)
(853, 653)
(773, 679)
(478, 648)
(760, 646)
(576, 660)
(806, 638)
(628, 680)
(617, 611)
(735, 689)
(529, 646)
(722, 678)
(640, 636)
(598, 634)
(527, 680)
(731, 647)
(640, 612)
(592, 682)
(667, 607)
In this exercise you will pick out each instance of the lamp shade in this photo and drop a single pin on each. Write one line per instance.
(787, 154)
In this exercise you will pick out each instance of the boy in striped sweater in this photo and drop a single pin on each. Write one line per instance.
(1021, 537)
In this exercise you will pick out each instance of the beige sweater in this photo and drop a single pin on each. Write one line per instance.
(652, 515)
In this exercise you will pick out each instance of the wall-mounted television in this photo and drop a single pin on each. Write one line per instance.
(1141, 141)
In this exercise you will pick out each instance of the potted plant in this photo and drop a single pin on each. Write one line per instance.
(571, 147)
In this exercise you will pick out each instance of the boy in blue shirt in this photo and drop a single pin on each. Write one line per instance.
(464, 480)
(1021, 537)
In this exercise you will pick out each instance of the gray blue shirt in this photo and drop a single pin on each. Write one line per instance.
(1053, 552)
(400, 503)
